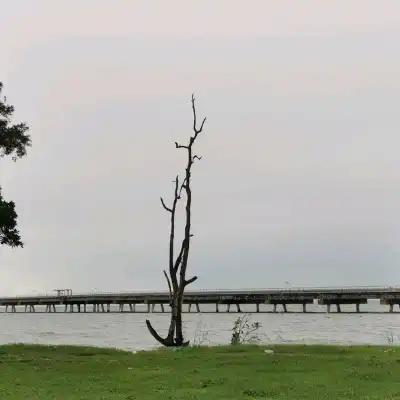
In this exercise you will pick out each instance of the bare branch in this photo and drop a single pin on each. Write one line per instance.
(191, 280)
(169, 285)
(179, 258)
(182, 187)
(196, 158)
(180, 146)
(165, 207)
(195, 130)
(202, 124)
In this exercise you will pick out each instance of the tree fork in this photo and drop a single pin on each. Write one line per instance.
(176, 279)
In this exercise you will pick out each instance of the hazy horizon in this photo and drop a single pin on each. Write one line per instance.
(298, 180)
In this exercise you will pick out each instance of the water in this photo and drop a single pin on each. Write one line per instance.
(128, 330)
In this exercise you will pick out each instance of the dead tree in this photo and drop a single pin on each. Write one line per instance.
(176, 278)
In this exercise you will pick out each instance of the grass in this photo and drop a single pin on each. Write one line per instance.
(224, 373)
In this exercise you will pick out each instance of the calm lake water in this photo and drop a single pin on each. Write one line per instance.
(128, 330)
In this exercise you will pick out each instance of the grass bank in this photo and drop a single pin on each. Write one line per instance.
(222, 373)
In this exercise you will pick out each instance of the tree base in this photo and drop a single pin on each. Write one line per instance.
(168, 341)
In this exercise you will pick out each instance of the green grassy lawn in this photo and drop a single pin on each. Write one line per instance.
(221, 373)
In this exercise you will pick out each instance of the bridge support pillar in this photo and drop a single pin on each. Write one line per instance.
(71, 308)
(216, 307)
(228, 307)
(94, 307)
(338, 309)
(79, 307)
(197, 307)
(66, 308)
(390, 307)
(189, 307)
(84, 308)
(258, 307)
(284, 307)
(238, 308)
(121, 307)
(274, 310)
(102, 308)
(162, 307)
(358, 307)
(328, 308)
(153, 306)
(304, 307)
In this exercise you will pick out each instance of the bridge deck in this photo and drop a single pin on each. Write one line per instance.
(102, 302)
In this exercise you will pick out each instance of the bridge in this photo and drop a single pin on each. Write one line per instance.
(220, 300)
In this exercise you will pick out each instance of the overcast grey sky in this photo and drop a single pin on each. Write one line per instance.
(299, 180)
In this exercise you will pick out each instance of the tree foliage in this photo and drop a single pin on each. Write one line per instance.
(14, 141)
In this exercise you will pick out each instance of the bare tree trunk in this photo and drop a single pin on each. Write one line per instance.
(176, 278)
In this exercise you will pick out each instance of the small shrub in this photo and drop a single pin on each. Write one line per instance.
(245, 331)
(201, 335)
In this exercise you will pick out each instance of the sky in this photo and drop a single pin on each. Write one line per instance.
(299, 181)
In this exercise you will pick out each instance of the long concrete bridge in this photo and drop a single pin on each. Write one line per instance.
(217, 300)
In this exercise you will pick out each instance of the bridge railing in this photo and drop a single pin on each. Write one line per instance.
(291, 289)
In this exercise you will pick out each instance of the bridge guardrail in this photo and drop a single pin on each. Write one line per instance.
(343, 289)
